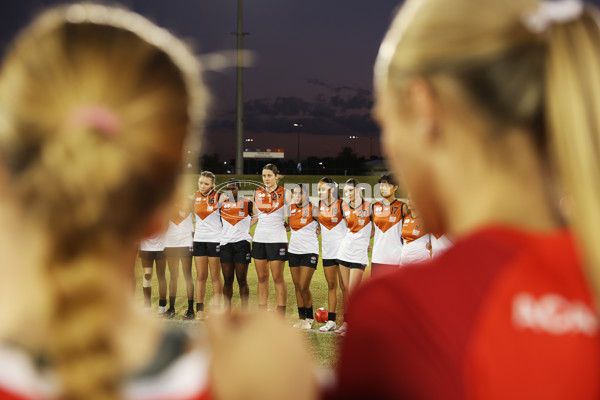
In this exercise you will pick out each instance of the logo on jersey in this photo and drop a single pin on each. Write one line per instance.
(313, 260)
(553, 314)
(282, 251)
(227, 205)
(378, 209)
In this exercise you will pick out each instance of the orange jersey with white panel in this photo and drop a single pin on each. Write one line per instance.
(354, 246)
(236, 216)
(208, 218)
(333, 228)
(415, 241)
(303, 237)
(271, 208)
(181, 226)
(387, 243)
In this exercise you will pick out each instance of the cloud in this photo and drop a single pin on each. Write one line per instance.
(345, 111)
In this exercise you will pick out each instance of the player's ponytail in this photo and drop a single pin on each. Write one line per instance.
(573, 122)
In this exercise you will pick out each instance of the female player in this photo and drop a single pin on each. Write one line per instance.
(236, 214)
(269, 244)
(388, 219)
(471, 116)
(333, 229)
(96, 104)
(417, 240)
(152, 251)
(178, 249)
(207, 237)
(353, 254)
(303, 252)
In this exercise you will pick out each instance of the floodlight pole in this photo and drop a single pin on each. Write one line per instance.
(239, 125)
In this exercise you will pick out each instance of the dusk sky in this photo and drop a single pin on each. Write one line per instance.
(313, 66)
(314, 61)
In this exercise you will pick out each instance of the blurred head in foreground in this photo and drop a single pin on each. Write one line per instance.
(96, 106)
(493, 104)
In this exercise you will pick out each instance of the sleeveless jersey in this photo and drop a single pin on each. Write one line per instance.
(415, 241)
(354, 246)
(180, 229)
(154, 243)
(387, 243)
(333, 228)
(236, 220)
(208, 218)
(303, 238)
(271, 216)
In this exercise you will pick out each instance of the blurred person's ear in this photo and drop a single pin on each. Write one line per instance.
(424, 107)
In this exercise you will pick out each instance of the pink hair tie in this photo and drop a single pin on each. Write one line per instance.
(96, 117)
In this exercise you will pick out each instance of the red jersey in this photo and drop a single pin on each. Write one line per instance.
(503, 314)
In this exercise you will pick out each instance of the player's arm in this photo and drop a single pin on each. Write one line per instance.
(254, 219)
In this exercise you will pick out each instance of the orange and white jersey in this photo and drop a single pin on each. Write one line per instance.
(208, 218)
(271, 208)
(236, 216)
(354, 246)
(416, 240)
(333, 228)
(154, 243)
(181, 226)
(303, 237)
(439, 244)
(387, 243)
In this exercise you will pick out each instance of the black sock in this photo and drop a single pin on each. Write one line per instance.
(308, 313)
(262, 307)
(281, 310)
(199, 306)
(162, 302)
(171, 302)
(301, 313)
(191, 305)
(331, 316)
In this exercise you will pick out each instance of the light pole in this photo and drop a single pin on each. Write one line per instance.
(298, 135)
(354, 140)
(239, 123)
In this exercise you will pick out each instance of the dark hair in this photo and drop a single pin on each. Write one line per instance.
(233, 181)
(303, 187)
(328, 180)
(388, 177)
(272, 167)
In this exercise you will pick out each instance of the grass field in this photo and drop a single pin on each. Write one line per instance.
(324, 345)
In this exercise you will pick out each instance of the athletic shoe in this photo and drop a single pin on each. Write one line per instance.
(170, 313)
(299, 324)
(189, 314)
(329, 326)
(162, 310)
(342, 329)
(308, 323)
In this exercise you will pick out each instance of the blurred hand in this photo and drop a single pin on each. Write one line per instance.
(258, 357)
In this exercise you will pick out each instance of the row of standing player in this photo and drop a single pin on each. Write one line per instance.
(346, 228)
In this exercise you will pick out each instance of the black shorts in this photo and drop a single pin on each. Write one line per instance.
(237, 252)
(352, 265)
(151, 255)
(303, 260)
(178, 251)
(270, 251)
(210, 249)
(330, 262)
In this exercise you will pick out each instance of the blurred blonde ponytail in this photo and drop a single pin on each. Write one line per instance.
(86, 186)
(573, 122)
